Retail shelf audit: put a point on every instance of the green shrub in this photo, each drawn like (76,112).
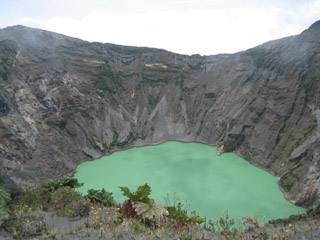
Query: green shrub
(100,196)
(63,182)
(225,224)
(80,208)
(58,196)
(195,219)
(67,202)
(37,197)
(177,213)
(137,227)
(314,212)
(180,215)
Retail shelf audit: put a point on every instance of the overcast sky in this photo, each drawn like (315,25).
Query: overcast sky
(184,26)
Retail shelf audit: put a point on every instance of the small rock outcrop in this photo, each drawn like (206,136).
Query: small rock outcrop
(220,150)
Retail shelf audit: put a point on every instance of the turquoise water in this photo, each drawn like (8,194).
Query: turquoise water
(212,184)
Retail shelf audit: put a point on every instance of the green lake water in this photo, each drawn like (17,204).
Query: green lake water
(212,184)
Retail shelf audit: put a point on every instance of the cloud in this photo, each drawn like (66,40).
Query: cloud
(210,28)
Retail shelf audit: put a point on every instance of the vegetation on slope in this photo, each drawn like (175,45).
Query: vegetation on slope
(55,210)
(4,202)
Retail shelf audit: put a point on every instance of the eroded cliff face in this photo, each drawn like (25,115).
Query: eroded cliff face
(64,101)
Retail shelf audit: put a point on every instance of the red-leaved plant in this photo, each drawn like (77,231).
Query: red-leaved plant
(127,209)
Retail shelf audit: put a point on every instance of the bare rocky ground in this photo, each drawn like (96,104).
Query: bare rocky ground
(64,228)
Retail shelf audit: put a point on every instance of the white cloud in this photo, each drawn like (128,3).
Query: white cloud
(209,28)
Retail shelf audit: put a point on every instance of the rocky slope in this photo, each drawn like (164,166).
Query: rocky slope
(64,101)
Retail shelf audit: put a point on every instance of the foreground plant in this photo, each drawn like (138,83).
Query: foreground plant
(144,216)
(143,206)
(63,182)
(100,196)
(128,210)
(67,202)
(253,222)
(179,213)
(225,224)
(141,195)
(57,196)
(150,210)
(40,196)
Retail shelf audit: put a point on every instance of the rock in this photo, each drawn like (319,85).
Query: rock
(91,153)
(220,150)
